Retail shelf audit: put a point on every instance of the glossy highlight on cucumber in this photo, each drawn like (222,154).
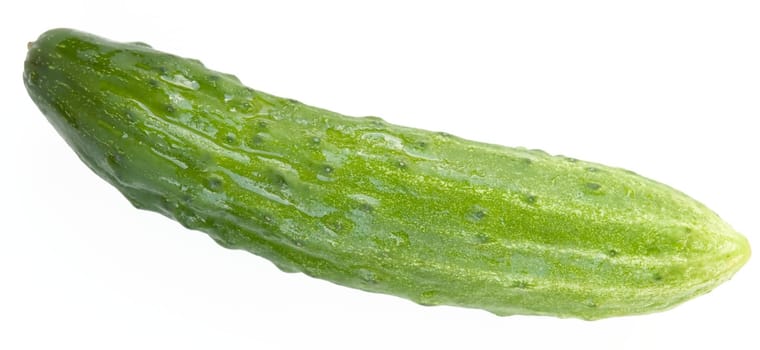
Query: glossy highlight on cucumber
(363,203)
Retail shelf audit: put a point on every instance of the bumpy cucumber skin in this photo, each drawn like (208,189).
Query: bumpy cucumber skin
(366,204)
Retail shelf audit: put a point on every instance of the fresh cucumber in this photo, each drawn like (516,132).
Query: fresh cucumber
(366,204)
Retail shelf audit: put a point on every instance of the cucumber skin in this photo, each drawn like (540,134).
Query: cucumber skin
(370,205)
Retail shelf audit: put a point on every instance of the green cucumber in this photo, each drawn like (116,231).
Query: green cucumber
(363,203)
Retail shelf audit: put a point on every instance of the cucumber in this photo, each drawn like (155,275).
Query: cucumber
(366,204)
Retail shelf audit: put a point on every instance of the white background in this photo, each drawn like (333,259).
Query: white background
(669,89)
